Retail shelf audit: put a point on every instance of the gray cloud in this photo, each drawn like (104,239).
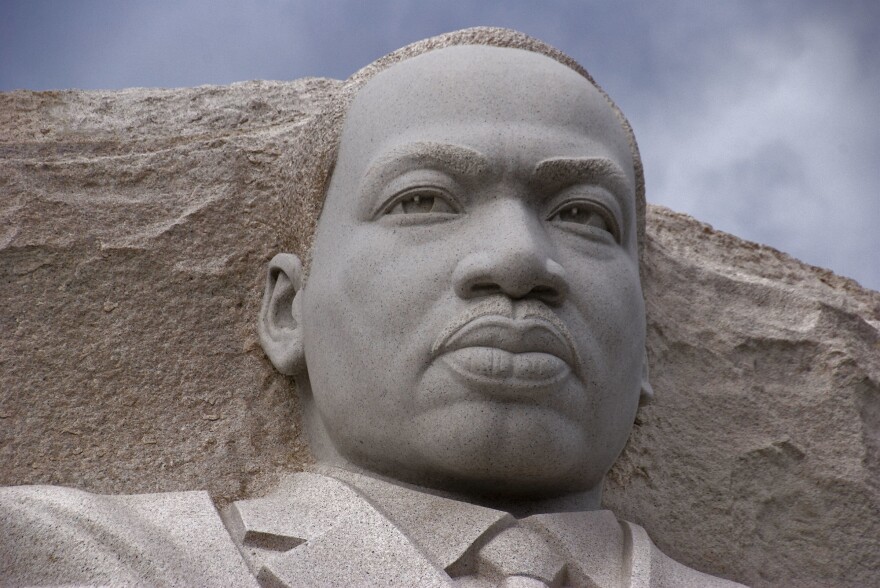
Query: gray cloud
(757,117)
(775,137)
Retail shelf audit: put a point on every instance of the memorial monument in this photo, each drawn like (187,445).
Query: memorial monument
(467,338)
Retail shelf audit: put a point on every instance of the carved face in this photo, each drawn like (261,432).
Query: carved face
(474,318)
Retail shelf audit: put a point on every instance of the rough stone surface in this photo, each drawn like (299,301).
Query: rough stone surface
(133,229)
(760,456)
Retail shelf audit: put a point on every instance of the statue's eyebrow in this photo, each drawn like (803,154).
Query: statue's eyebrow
(462,161)
(565,171)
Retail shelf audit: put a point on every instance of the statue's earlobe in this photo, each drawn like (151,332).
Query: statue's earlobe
(279,324)
(647,392)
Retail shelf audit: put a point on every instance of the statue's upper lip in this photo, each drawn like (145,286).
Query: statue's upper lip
(515,336)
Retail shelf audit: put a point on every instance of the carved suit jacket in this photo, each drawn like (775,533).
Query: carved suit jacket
(326,527)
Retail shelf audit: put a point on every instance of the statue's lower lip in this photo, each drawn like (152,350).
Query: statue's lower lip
(497,371)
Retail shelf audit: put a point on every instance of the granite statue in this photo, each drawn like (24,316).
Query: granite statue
(468,342)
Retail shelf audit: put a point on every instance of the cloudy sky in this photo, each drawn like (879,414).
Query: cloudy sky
(758,117)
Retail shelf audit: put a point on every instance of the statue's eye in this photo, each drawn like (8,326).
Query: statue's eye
(585,214)
(422,201)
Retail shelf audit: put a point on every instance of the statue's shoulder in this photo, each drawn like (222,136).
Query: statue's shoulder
(651,568)
(51,535)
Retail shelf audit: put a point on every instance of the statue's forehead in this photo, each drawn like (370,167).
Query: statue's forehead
(471,86)
(449,62)
(470,79)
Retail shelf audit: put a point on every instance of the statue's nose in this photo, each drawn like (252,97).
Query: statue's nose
(514,256)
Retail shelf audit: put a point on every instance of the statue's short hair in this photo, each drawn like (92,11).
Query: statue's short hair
(317,152)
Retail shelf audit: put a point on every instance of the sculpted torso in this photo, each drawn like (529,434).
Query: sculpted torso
(469,351)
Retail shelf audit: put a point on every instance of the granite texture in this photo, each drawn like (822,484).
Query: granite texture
(53,536)
(133,230)
(767,381)
(134,226)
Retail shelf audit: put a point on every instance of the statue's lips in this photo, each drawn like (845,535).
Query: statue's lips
(508,354)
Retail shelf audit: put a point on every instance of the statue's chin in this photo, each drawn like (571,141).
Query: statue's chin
(511,451)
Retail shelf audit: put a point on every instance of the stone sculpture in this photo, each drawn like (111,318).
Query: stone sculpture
(469,347)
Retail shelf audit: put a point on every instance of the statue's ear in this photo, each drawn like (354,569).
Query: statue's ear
(647,392)
(279,325)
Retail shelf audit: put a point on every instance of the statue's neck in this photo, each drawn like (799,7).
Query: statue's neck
(519,508)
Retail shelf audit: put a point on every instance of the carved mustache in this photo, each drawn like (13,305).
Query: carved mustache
(518,327)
